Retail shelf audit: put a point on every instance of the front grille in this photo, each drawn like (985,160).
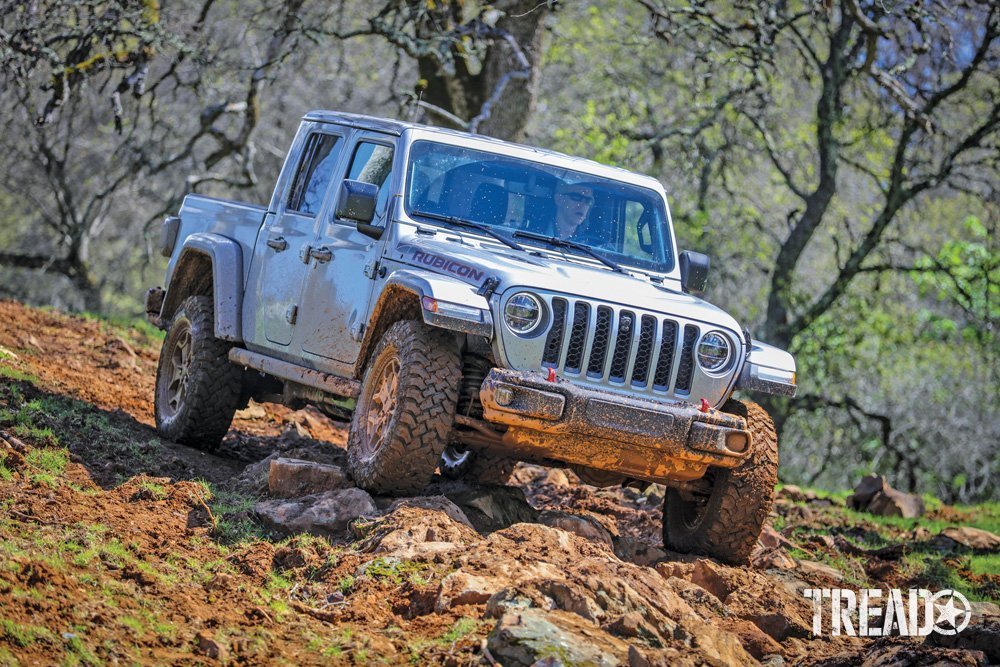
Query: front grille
(619,347)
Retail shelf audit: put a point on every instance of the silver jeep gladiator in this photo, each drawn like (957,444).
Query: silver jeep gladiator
(466,303)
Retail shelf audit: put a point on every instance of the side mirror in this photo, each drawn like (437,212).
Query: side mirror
(694,272)
(356,201)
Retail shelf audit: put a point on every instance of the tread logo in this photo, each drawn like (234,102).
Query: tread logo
(868,613)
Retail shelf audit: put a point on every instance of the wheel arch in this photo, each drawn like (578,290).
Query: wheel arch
(405,297)
(397,302)
(209,265)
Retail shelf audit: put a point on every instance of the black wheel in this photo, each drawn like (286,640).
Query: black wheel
(197,388)
(461,463)
(406,409)
(725,519)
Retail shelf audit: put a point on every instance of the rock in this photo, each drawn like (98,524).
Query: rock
(522,638)
(773,559)
(770,538)
(984,610)
(586,527)
(293,478)
(792,492)
(414,532)
(813,569)
(754,640)
(252,411)
(494,507)
(874,495)
(972,538)
(434,503)
(557,478)
(780,611)
(460,588)
(896,503)
(254,478)
(866,489)
(320,514)
(211,648)
(982,636)
(637,552)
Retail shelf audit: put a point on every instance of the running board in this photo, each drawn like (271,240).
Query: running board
(333,384)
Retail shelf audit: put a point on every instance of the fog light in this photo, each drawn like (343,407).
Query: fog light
(503,395)
(737,442)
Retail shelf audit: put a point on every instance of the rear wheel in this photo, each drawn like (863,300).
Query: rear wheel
(406,409)
(723,517)
(197,388)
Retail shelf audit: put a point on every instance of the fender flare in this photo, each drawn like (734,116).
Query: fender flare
(403,297)
(768,369)
(226,259)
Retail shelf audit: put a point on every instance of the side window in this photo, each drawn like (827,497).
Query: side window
(372,163)
(312,179)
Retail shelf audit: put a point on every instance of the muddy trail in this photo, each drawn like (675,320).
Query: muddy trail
(117,547)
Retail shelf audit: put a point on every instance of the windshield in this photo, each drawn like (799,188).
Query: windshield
(625,223)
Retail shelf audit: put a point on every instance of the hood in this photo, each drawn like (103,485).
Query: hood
(471,261)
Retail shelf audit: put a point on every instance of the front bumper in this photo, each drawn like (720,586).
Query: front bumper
(639,438)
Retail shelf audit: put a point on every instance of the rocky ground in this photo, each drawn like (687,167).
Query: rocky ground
(119,547)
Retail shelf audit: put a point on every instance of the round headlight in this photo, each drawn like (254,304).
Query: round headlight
(714,351)
(523,313)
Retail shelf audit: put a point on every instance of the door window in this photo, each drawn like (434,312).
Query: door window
(372,163)
(312,179)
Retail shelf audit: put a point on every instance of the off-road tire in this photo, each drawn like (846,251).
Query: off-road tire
(481,468)
(726,524)
(197,388)
(396,451)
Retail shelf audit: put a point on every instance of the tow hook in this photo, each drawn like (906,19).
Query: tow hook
(705,407)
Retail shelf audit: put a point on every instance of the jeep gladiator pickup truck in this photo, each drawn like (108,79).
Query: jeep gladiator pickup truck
(465,303)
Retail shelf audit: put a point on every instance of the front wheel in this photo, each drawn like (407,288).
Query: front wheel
(476,466)
(406,409)
(197,388)
(725,519)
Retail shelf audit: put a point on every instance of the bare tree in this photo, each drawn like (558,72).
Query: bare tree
(918,80)
(479,68)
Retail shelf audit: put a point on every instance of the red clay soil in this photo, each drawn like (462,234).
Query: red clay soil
(109,565)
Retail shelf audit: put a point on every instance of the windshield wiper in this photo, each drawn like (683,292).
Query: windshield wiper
(563,243)
(479,227)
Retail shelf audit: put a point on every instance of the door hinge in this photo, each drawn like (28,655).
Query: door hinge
(374,269)
(292,314)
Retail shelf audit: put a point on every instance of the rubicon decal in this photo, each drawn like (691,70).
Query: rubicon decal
(446,264)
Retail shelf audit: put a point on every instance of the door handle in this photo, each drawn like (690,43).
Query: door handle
(321,254)
(278,243)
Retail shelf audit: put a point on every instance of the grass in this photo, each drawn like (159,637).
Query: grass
(135,330)
(47,465)
(49,420)
(959,569)
(396,571)
(233,516)
(461,629)
(24,635)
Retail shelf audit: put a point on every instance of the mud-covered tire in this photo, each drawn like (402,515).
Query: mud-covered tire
(479,467)
(406,409)
(726,523)
(197,388)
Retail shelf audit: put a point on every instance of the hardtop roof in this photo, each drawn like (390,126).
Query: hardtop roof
(397,127)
